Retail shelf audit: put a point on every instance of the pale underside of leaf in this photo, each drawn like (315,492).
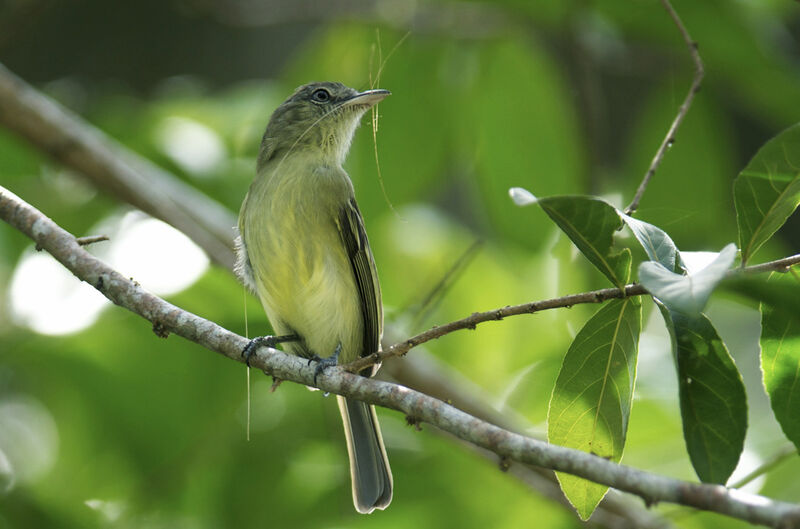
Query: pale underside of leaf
(686,293)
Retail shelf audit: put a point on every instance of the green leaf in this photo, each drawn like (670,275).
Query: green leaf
(781,294)
(686,293)
(767,191)
(655,241)
(591,224)
(712,397)
(780,359)
(591,401)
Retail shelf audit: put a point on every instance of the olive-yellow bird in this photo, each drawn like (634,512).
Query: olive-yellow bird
(303,251)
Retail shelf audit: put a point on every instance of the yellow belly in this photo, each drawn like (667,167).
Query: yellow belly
(315,296)
(301,271)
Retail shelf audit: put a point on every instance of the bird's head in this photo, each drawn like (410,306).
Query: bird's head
(318,118)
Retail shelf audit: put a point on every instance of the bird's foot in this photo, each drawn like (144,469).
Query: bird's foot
(325,363)
(269,341)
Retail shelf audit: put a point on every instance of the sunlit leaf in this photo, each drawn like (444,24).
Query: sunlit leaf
(712,397)
(591,401)
(686,293)
(655,241)
(767,191)
(591,224)
(780,358)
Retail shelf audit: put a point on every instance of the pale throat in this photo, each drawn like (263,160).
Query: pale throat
(335,142)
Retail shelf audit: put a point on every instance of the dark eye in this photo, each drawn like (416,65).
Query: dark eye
(321,95)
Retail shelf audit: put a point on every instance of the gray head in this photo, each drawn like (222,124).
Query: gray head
(318,118)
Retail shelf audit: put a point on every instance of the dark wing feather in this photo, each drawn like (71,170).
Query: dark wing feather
(351,228)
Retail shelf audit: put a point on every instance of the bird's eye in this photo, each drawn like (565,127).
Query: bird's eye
(321,95)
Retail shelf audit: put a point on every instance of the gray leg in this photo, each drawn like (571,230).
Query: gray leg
(269,341)
(325,363)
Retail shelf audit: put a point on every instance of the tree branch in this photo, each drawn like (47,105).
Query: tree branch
(115,169)
(595,296)
(508,445)
(780,265)
(669,139)
(426,373)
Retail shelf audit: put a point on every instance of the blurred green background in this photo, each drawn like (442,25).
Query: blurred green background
(104,425)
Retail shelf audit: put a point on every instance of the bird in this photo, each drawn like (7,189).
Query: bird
(303,250)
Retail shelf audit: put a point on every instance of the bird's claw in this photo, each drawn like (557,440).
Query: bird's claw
(268,341)
(325,363)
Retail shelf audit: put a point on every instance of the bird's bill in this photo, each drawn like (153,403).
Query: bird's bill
(367,98)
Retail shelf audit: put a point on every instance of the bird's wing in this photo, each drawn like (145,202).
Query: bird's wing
(351,228)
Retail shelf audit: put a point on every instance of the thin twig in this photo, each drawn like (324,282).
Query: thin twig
(91,239)
(471,321)
(509,446)
(84,241)
(595,296)
(669,139)
(780,265)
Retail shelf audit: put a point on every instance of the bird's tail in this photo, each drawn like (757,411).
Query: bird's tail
(369,466)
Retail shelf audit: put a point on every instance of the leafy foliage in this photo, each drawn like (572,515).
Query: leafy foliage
(151,433)
(767,191)
(712,395)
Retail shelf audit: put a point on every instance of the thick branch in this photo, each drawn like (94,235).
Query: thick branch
(669,139)
(113,168)
(508,445)
(428,374)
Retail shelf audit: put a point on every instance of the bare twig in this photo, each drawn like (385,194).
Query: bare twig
(113,168)
(669,139)
(85,241)
(471,321)
(780,265)
(595,296)
(507,445)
